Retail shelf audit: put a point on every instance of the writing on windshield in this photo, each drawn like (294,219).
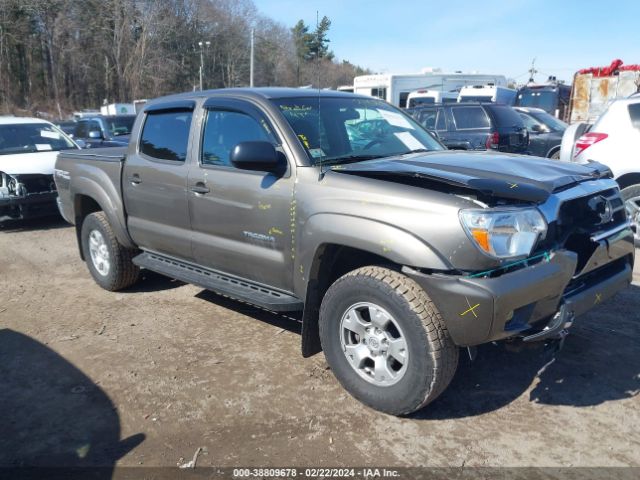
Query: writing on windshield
(31,138)
(332,129)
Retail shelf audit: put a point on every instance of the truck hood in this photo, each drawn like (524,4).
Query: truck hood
(22,163)
(516,177)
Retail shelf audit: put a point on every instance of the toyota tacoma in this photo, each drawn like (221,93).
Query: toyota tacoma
(396,251)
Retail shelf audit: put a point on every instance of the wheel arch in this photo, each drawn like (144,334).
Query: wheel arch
(554,149)
(343,248)
(89,197)
(628,179)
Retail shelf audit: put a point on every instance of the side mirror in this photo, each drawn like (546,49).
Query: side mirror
(95,134)
(537,128)
(258,156)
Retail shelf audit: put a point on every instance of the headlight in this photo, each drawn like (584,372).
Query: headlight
(504,233)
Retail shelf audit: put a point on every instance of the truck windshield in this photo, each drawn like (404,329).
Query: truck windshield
(337,130)
(544,99)
(31,138)
(120,125)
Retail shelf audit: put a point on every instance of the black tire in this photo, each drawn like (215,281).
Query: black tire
(633,191)
(555,155)
(121,272)
(432,355)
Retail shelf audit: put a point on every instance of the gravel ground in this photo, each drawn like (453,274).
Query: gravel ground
(148,376)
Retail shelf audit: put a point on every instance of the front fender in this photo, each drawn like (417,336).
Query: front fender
(108,197)
(392,243)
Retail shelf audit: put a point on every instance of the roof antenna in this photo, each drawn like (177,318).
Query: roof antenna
(532,70)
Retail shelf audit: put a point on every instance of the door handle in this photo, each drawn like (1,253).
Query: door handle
(200,188)
(135,179)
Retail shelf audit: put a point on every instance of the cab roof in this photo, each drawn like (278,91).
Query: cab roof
(259,92)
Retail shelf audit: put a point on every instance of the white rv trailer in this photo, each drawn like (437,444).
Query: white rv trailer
(396,88)
(487,93)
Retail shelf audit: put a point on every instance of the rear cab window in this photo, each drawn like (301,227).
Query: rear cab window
(467,118)
(165,135)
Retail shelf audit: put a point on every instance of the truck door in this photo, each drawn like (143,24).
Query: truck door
(154,181)
(240,219)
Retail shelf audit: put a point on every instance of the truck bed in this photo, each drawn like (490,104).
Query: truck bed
(89,168)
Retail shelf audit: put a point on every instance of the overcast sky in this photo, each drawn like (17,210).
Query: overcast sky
(488,36)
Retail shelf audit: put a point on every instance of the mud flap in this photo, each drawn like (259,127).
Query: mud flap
(310,327)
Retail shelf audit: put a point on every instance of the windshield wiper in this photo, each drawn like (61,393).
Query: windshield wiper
(417,150)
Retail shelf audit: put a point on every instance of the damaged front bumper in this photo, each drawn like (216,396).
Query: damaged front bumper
(28,196)
(535,302)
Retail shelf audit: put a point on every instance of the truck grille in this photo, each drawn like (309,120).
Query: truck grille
(581,218)
(36,183)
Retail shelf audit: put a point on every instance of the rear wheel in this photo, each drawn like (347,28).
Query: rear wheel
(555,155)
(110,263)
(385,340)
(631,197)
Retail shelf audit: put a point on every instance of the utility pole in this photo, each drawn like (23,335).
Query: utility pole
(532,70)
(251,59)
(201,45)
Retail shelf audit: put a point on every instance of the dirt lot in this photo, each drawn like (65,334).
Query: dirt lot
(146,376)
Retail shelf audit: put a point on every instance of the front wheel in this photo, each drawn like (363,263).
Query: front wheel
(110,263)
(631,197)
(385,341)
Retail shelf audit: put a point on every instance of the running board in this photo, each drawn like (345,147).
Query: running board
(219,282)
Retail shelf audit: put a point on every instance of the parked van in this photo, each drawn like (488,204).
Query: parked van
(430,97)
(395,88)
(487,93)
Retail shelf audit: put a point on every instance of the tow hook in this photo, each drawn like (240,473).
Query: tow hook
(556,329)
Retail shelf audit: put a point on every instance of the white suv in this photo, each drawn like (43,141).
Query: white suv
(613,140)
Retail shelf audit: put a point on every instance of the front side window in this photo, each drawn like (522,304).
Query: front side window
(82,129)
(120,125)
(224,129)
(470,117)
(32,137)
(94,126)
(530,122)
(337,130)
(428,119)
(550,121)
(165,135)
